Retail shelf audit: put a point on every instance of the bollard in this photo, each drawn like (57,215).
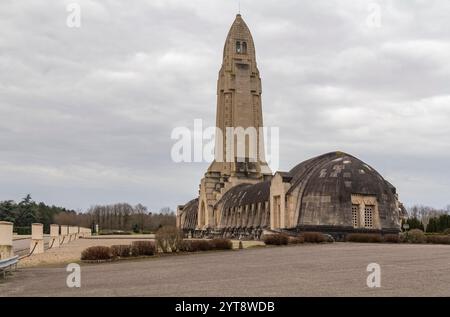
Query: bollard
(54,236)
(86,232)
(64,235)
(37,238)
(96,230)
(72,233)
(6,240)
(69,233)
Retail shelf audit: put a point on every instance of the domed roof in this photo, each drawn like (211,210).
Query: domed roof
(245,194)
(189,214)
(342,168)
(324,186)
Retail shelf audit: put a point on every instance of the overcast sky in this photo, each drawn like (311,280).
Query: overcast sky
(86,113)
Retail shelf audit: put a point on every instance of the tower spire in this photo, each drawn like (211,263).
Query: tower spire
(239,106)
(239,156)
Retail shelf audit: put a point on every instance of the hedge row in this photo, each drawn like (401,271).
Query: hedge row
(148,248)
(412,236)
(137,248)
(314,237)
(97,253)
(205,245)
(283,239)
(276,239)
(115,233)
(364,237)
(438,239)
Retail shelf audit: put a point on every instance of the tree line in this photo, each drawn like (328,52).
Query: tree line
(125,217)
(26,212)
(120,217)
(109,218)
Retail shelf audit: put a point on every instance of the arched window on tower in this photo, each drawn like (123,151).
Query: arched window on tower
(244,47)
(238,47)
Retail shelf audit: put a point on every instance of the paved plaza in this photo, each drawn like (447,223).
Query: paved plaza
(337,269)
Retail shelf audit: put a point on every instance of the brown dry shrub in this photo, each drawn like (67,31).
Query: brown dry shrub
(97,253)
(415,236)
(195,245)
(140,248)
(391,238)
(168,239)
(221,244)
(296,240)
(276,239)
(122,251)
(364,237)
(314,237)
(438,239)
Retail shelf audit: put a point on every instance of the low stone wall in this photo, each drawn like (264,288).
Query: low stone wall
(58,236)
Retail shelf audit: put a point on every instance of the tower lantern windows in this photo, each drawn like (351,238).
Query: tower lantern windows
(241,47)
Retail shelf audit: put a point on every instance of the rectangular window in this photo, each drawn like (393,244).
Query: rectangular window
(355,216)
(368,216)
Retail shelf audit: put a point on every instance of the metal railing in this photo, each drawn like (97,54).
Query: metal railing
(8,264)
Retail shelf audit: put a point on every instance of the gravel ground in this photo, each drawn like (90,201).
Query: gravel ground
(337,269)
(71,252)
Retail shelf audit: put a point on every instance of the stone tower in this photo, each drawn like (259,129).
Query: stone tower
(238,106)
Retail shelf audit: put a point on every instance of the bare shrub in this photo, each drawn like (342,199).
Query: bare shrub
(415,236)
(201,245)
(139,248)
(364,237)
(168,239)
(122,251)
(222,244)
(296,240)
(314,237)
(205,245)
(195,245)
(438,239)
(391,238)
(276,239)
(185,246)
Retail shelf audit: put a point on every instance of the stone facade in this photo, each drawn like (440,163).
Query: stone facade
(238,106)
(335,192)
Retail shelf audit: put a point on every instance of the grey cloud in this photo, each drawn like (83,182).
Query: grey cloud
(87,113)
